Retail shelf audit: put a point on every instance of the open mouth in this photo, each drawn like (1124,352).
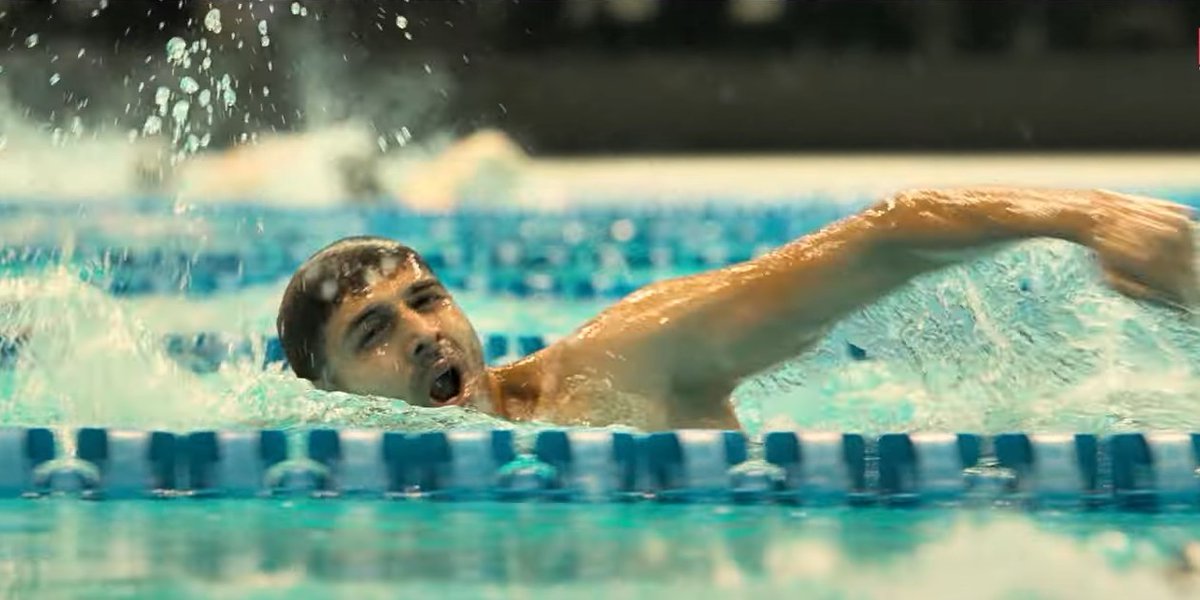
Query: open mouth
(446,386)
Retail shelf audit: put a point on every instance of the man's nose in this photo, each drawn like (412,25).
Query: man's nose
(423,346)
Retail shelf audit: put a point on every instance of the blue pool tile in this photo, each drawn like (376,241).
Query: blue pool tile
(530,344)
(496,348)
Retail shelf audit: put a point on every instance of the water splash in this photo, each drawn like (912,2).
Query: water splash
(153,125)
(176,51)
(1028,339)
(87,361)
(212,20)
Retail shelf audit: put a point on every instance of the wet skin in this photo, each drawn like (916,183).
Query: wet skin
(670,354)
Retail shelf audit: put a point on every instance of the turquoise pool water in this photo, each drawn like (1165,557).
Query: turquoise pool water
(1023,340)
(327,549)
(312,549)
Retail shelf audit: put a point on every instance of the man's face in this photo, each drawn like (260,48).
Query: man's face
(404,337)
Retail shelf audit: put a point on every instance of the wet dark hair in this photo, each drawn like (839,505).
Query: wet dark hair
(319,285)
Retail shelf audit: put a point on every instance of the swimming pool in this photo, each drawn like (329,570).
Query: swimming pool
(1024,341)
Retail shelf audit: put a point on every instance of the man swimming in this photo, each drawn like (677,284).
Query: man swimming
(367,316)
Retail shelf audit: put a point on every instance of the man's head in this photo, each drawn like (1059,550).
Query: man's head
(366,315)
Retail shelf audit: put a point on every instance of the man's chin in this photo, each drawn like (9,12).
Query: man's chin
(475,395)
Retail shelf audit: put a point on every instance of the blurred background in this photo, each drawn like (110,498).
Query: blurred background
(383,79)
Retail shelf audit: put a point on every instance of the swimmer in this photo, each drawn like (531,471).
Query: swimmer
(368,316)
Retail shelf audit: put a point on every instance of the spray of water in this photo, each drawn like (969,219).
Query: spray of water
(1027,339)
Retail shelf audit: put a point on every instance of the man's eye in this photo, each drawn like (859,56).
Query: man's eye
(372,335)
(425,301)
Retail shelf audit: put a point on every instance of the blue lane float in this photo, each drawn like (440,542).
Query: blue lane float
(588,464)
(1128,471)
(579,253)
(1060,470)
(230,463)
(582,253)
(207,352)
(686,465)
(1154,469)
(819,468)
(128,463)
(926,466)
(22,452)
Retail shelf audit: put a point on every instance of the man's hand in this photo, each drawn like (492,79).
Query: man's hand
(1145,247)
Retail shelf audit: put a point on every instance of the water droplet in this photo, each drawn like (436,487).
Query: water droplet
(266,92)
(204,141)
(401,22)
(31,41)
(408,36)
(153,125)
(212,20)
(295,8)
(176,50)
(428,69)
(266,41)
(189,85)
(262,27)
(229,97)
(54,79)
(304,12)
(180,111)
(206,63)
(162,95)
(192,144)
(205,97)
